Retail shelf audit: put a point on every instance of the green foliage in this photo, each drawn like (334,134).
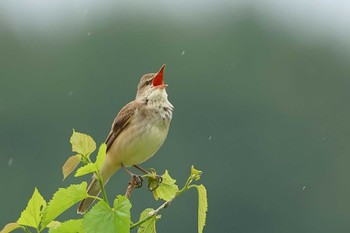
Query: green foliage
(82,143)
(202,206)
(88,168)
(70,226)
(148,226)
(102,217)
(62,200)
(31,216)
(167,189)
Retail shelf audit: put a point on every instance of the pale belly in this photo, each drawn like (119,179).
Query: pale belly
(129,149)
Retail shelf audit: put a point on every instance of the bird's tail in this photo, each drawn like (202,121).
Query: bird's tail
(94,189)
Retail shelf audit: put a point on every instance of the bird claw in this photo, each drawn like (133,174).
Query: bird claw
(137,181)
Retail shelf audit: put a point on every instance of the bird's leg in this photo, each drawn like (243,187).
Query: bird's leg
(136,179)
(158,177)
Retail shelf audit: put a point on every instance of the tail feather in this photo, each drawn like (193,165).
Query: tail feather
(94,189)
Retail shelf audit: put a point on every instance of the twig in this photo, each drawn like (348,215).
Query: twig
(153,213)
(130,187)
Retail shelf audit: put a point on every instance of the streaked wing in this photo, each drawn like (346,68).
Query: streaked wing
(121,121)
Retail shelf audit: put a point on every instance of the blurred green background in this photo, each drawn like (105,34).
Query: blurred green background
(261,96)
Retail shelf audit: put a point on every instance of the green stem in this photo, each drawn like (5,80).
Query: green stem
(96,197)
(99,178)
(153,213)
(25,229)
(165,204)
(141,221)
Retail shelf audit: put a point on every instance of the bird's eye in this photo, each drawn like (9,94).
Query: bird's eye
(148,82)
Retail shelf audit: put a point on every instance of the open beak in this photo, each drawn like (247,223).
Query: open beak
(158,79)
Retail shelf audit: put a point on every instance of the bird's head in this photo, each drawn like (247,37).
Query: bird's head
(152,86)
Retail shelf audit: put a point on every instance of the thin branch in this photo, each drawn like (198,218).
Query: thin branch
(100,181)
(153,213)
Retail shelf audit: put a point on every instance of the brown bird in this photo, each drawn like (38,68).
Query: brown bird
(138,131)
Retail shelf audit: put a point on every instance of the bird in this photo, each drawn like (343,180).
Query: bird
(138,131)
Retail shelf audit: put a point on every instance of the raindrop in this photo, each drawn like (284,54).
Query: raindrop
(183,53)
(10,162)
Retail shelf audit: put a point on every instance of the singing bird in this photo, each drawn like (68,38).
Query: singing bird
(138,131)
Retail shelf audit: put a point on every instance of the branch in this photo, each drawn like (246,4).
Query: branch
(130,187)
(153,213)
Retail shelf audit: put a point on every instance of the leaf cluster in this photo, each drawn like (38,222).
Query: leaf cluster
(102,217)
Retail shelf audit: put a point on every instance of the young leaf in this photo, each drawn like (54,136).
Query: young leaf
(69,166)
(195,174)
(103,218)
(88,168)
(150,225)
(167,189)
(63,199)
(101,156)
(10,227)
(82,143)
(31,216)
(202,206)
(70,226)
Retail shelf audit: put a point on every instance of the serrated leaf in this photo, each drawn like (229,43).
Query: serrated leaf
(53,224)
(167,189)
(202,207)
(69,166)
(70,226)
(150,225)
(122,206)
(10,227)
(103,218)
(82,143)
(101,155)
(88,168)
(31,216)
(195,174)
(63,199)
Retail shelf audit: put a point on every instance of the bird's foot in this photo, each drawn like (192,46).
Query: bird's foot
(136,181)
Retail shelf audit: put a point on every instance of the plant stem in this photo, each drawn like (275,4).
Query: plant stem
(165,204)
(99,178)
(25,229)
(96,197)
(153,213)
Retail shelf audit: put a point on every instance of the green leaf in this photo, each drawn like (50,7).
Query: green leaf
(63,199)
(202,207)
(150,225)
(31,216)
(10,227)
(70,226)
(69,166)
(101,156)
(122,207)
(82,143)
(88,168)
(195,174)
(167,189)
(103,218)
